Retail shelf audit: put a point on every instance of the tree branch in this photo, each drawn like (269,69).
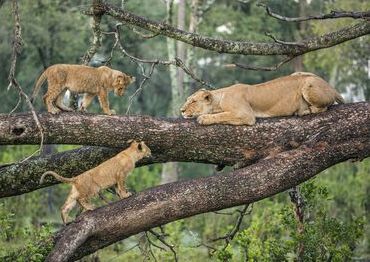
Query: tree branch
(166,203)
(170,140)
(333,15)
(239,47)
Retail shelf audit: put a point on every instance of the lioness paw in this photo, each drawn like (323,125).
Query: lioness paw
(204,120)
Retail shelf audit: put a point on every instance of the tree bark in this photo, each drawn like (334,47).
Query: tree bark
(240,47)
(163,204)
(171,140)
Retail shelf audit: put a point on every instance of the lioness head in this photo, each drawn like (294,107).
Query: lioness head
(141,148)
(121,81)
(197,104)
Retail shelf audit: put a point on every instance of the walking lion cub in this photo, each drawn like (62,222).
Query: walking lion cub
(81,79)
(111,172)
(300,93)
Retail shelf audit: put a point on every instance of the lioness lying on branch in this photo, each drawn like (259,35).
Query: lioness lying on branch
(81,79)
(300,93)
(111,172)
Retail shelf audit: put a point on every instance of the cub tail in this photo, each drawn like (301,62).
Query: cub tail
(56,176)
(39,82)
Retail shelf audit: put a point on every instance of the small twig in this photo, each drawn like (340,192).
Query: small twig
(153,62)
(299,204)
(230,235)
(160,237)
(283,42)
(17,47)
(332,15)
(262,68)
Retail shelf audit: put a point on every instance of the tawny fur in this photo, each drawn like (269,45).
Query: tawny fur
(81,79)
(111,172)
(298,94)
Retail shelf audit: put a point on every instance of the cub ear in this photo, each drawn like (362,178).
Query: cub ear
(140,147)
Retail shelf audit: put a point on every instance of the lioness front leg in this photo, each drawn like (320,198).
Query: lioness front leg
(226,118)
(103,99)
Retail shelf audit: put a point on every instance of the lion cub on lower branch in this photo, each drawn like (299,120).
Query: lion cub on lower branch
(81,79)
(298,94)
(111,172)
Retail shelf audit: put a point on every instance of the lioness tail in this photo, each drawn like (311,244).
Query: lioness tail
(338,98)
(40,80)
(56,176)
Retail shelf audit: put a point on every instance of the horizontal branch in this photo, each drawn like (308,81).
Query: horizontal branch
(170,140)
(163,204)
(239,47)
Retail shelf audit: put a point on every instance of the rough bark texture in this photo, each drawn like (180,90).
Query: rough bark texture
(170,202)
(170,140)
(239,47)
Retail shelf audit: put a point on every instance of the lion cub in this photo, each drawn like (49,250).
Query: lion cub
(81,79)
(299,94)
(111,172)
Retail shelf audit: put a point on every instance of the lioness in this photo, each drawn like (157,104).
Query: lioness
(111,172)
(81,79)
(298,94)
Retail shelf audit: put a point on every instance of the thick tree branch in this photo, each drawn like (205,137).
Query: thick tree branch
(170,140)
(240,47)
(163,204)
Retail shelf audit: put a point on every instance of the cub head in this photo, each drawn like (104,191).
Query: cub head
(141,148)
(120,82)
(197,104)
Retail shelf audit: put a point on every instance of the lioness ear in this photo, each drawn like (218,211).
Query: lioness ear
(207,96)
(140,147)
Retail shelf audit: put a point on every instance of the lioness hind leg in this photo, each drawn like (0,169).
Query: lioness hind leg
(318,94)
(314,109)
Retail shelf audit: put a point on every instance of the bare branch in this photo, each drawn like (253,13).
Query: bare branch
(239,47)
(333,15)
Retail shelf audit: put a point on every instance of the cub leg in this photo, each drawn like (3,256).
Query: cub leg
(60,104)
(86,101)
(49,99)
(121,189)
(69,204)
(103,99)
(85,204)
